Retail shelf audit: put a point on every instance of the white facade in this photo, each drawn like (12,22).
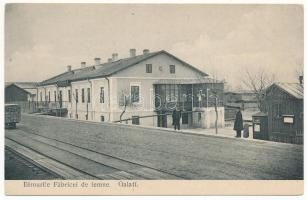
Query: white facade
(78,110)
(115,87)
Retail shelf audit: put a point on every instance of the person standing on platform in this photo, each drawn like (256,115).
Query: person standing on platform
(238,126)
(176,118)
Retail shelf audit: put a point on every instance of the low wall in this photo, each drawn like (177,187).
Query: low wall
(207,116)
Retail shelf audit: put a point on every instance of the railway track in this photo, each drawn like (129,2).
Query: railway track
(86,163)
(18,166)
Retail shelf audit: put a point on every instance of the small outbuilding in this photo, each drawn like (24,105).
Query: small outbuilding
(20,92)
(284,108)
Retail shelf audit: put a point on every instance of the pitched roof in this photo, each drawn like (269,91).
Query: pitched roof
(294,89)
(29,87)
(107,69)
(23,85)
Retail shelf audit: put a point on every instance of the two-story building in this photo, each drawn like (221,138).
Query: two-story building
(141,89)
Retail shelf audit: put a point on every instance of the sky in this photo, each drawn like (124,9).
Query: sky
(224,41)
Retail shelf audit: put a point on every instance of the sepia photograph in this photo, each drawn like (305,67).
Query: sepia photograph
(125,94)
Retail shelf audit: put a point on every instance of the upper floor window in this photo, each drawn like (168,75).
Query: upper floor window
(148,68)
(69,96)
(135,93)
(88,95)
(102,95)
(82,95)
(77,96)
(172,69)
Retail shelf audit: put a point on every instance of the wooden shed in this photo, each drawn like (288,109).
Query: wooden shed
(284,106)
(20,92)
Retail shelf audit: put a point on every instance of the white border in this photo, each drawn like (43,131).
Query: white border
(130,1)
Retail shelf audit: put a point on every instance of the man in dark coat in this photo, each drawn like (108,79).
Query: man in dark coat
(238,126)
(176,118)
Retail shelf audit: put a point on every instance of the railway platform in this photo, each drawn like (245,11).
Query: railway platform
(88,150)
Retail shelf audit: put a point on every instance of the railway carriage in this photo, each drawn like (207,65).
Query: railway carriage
(12,115)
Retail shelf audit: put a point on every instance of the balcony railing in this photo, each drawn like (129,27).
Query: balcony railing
(187,105)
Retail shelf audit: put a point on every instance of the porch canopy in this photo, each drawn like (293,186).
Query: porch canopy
(186,81)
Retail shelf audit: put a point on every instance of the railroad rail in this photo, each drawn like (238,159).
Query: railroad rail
(92,164)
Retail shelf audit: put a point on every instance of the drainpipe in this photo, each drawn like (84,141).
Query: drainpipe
(109,101)
(57,99)
(76,103)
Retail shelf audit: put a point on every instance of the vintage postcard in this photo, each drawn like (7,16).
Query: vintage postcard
(154,99)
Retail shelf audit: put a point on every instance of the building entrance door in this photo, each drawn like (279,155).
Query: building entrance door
(60,99)
(162,119)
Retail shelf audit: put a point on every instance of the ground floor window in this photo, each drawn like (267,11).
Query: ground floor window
(102,118)
(185,118)
(76,116)
(69,96)
(86,117)
(135,93)
(136,120)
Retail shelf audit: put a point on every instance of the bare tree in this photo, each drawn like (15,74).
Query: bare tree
(124,101)
(257,83)
(299,73)
(299,70)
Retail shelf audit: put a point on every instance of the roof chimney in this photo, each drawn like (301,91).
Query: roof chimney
(83,64)
(146,51)
(114,57)
(109,60)
(301,78)
(97,61)
(132,52)
(69,68)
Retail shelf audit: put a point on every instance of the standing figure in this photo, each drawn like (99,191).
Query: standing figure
(176,118)
(238,126)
